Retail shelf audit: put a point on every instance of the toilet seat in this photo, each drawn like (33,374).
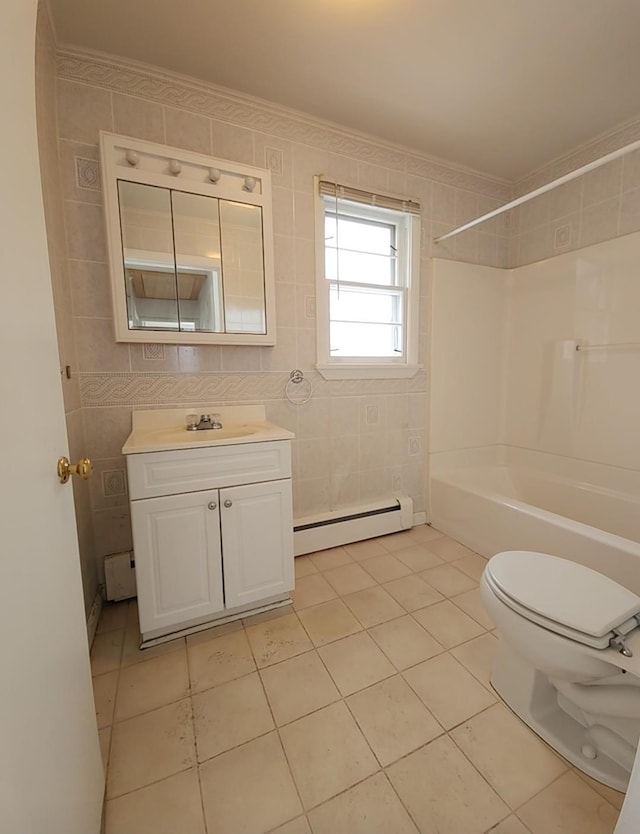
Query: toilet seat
(552,592)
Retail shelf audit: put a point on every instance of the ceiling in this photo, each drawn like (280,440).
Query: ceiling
(500,86)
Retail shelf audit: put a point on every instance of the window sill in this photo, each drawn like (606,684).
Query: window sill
(363,371)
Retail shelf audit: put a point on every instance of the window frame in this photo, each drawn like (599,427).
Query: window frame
(408,282)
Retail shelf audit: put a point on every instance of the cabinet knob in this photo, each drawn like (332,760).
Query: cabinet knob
(212,505)
(228,502)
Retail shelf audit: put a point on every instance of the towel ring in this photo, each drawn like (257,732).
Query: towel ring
(298,390)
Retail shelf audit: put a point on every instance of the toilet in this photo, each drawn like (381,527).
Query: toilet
(568,660)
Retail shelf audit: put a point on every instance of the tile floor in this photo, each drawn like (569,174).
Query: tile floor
(365,709)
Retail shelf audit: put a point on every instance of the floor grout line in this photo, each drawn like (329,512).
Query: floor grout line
(150,784)
(195,740)
(246,625)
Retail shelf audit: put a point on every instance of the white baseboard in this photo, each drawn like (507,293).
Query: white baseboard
(352,524)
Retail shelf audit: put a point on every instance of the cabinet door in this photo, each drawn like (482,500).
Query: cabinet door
(257,541)
(178,561)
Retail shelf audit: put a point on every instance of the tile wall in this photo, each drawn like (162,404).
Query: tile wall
(598,206)
(54,218)
(355,440)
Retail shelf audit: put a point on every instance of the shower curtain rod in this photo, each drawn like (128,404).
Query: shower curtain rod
(590,166)
(607,346)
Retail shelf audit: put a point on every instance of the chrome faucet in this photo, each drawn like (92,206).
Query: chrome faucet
(207,421)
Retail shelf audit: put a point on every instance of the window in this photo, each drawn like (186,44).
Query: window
(367,298)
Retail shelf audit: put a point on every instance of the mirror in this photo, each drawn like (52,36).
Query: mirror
(196,229)
(174,246)
(244,271)
(191,261)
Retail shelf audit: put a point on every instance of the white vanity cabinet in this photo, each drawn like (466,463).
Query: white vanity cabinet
(257,528)
(178,559)
(212,533)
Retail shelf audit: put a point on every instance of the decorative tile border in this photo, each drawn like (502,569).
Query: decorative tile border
(439,171)
(375,153)
(602,145)
(256,114)
(187,94)
(206,99)
(163,389)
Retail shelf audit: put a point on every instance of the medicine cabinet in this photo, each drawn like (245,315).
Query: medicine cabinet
(190,241)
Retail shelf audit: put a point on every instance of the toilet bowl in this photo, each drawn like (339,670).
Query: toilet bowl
(568,661)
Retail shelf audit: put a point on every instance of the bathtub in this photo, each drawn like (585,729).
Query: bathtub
(501,498)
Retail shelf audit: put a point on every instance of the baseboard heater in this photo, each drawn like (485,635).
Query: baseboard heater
(351,524)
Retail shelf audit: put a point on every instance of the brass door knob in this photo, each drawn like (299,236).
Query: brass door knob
(83,469)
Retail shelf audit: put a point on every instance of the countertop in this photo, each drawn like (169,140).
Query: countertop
(162,430)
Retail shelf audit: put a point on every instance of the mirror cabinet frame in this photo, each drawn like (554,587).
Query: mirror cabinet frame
(147,163)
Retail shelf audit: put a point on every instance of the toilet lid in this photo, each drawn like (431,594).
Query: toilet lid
(563,592)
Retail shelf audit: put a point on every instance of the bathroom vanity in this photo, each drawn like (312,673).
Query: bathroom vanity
(212,518)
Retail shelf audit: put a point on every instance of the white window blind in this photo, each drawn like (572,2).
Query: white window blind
(368,198)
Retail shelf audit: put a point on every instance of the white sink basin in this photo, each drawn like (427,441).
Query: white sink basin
(204,435)
(164,430)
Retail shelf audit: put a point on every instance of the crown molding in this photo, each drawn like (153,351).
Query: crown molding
(601,145)
(174,90)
